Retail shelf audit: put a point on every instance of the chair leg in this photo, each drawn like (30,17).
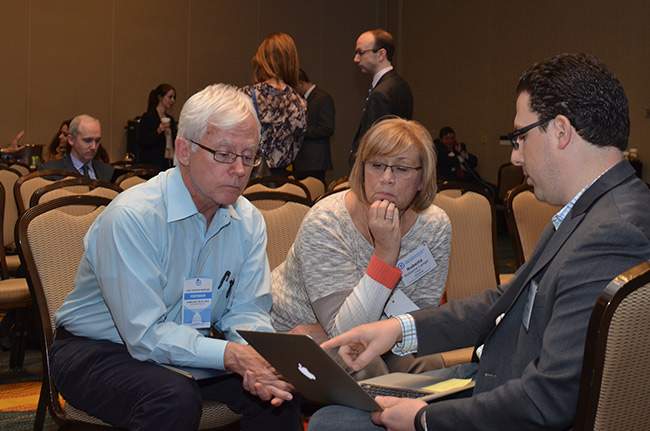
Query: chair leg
(17,357)
(42,407)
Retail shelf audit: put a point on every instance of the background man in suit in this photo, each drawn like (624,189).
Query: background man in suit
(85,134)
(389,94)
(314,157)
(572,126)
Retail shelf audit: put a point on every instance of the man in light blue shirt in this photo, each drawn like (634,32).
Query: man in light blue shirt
(165,263)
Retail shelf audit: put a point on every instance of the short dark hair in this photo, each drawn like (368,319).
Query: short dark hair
(445,131)
(583,89)
(302,76)
(384,39)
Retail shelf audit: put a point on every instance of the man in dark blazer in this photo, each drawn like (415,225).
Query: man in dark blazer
(572,125)
(84,137)
(314,157)
(389,94)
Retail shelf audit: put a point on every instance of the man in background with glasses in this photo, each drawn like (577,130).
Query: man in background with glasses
(389,93)
(572,126)
(164,264)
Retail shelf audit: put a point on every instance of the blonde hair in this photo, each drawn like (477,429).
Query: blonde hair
(391,137)
(276,57)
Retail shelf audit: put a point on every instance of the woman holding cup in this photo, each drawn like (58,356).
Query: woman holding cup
(157,129)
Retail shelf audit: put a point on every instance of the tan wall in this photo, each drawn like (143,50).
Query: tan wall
(462,58)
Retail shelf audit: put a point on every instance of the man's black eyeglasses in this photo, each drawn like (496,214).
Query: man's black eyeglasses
(251,160)
(514,136)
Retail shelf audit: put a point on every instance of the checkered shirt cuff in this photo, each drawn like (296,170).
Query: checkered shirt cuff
(409,343)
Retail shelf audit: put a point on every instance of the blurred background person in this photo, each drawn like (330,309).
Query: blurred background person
(378,249)
(15,146)
(157,129)
(281,110)
(59,144)
(315,157)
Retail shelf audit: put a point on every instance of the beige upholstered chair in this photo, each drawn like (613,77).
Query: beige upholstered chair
(526,217)
(51,243)
(339,184)
(14,294)
(276,184)
(316,187)
(27,184)
(282,222)
(23,168)
(472,263)
(129,180)
(72,187)
(509,177)
(614,392)
(8,177)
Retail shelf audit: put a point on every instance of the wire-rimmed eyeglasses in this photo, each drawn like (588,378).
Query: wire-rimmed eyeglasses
(220,156)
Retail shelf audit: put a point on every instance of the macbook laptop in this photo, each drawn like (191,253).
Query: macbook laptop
(319,378)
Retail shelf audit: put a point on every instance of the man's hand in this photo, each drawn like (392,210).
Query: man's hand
(314,330)
(15,144)
(362,344)
(259,378)
(398,413)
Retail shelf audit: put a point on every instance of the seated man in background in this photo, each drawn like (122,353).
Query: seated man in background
(84,136)
(572,125)
(186,231)
(455,163)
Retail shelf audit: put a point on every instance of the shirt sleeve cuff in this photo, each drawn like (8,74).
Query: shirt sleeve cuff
(210,353)
(383,273)
(409,343)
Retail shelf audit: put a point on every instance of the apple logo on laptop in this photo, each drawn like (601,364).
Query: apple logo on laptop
(305,371)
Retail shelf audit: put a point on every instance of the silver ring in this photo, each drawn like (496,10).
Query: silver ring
(389,218)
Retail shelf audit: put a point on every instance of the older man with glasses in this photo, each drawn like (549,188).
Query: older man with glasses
(572,126)
(165,264)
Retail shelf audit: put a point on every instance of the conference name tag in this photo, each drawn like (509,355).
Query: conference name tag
(416,264)
(197,301)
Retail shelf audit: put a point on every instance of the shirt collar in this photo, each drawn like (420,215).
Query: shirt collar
(378,75)
(308,92)
(78,164)
(559,217)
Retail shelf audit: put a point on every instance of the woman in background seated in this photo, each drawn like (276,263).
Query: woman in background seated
(378,249)
(157,129)
(59,144)
(281,110)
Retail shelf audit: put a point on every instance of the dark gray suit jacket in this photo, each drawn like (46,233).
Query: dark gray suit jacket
(314,154)
(103,171)
(529,379)
(391,96)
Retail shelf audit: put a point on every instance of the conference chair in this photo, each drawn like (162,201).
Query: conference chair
(136,176)
(21,167)
(72,187)
(526,217)
(279,185)
(614,392)
(339,184)
(51,244)
(316,187)
(11,263)
(473,263)
(14,295)
(27,184)
(282,222)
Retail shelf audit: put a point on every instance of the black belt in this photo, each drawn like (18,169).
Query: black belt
(62,334)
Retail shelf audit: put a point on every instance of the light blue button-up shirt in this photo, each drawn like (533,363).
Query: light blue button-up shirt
(138,253)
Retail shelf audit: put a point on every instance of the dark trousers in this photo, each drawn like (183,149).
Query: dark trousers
(101,378)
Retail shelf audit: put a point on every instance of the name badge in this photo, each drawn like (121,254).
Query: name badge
(416,264)
(197,301)
(528,308)
(398,304)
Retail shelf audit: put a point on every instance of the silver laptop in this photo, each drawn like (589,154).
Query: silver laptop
(319,378)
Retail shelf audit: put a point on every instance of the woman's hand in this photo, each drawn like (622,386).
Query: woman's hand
(385,228)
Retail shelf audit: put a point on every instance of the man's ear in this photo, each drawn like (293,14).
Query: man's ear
(183,150)
(563,131)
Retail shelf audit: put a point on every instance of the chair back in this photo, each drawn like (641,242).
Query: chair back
(277,184)
(614,392)
(8,177)
(23,168)
(72,187)
(526,217)
(136,176)
(473,260)
(282,222)
(316,187)
(27,184)
(509,177)
(339,184)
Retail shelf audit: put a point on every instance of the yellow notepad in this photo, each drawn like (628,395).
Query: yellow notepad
(447,385)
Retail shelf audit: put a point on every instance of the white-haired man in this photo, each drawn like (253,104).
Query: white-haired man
(164,264)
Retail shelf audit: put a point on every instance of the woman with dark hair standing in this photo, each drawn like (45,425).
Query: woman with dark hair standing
(281,110)
(157,129)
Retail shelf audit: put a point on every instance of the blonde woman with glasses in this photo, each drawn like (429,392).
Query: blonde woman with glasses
(378,249)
